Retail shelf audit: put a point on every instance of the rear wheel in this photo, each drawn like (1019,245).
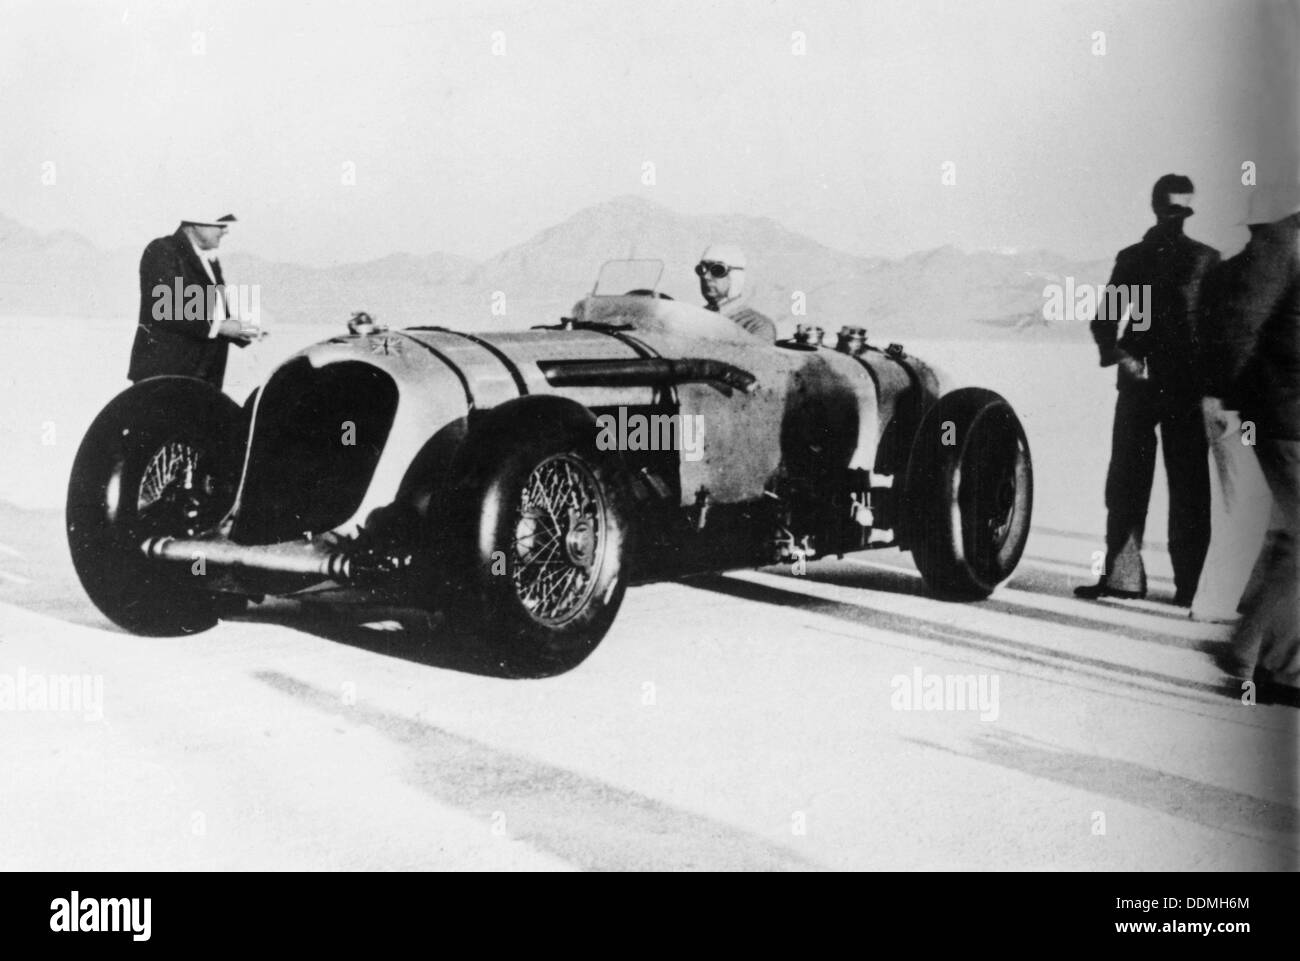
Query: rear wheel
(550,531)
(162,459)
(969,494)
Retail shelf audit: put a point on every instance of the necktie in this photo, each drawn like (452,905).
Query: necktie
(223,310)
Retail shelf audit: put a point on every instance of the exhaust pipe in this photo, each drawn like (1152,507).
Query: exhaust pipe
(303,558)
(646,372)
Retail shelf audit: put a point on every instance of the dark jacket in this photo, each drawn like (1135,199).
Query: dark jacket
(1174,266)
(166,340)
(1250,330)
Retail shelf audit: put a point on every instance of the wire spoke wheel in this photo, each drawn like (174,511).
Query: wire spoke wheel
(162,459)
(178,494)
(559,539)
(546,518)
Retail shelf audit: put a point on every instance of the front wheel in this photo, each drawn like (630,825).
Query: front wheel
(162,459)
(970,490)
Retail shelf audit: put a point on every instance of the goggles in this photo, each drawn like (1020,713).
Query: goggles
(714,269)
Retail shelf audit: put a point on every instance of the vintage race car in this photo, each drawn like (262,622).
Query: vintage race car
(520,481)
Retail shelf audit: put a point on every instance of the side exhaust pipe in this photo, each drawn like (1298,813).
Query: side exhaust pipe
(305,558)
(646,372)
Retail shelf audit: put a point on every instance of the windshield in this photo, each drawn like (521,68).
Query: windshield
(619,277)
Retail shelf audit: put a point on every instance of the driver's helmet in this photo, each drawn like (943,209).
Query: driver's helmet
(729,256)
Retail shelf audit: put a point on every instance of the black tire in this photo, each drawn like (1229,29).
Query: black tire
(970,492)
(544,583)
(163,458)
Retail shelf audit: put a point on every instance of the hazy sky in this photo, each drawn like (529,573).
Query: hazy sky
(473,125)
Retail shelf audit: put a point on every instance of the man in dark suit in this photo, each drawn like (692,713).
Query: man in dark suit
(1159,386)
(186,322)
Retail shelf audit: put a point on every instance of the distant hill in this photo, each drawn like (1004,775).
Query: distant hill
(564,259)
(944,292)
(62,274)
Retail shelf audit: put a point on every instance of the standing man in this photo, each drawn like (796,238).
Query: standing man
(186,323)
(1253,364)
(1159,386)
(722,282)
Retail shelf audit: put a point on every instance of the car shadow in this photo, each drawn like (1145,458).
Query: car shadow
(408,633)
(1039,584)
(1136,681)
(38,576)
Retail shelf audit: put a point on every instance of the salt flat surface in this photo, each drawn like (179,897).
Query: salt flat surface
(741,721)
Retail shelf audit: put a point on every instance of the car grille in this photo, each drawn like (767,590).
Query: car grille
(316,441)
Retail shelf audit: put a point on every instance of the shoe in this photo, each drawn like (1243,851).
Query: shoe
(1183,600)
(1090,592)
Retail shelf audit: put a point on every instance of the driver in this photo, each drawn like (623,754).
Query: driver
(722,282)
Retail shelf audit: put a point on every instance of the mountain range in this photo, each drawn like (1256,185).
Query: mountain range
(944,292)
